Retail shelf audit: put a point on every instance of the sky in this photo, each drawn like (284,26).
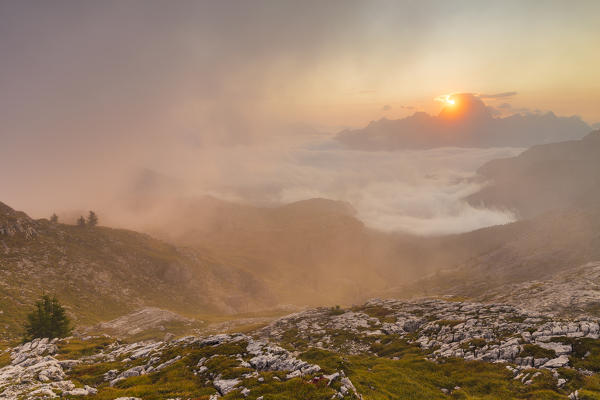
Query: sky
(91,92)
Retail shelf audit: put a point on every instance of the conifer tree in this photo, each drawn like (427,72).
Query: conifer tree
(92,219)
(47,320)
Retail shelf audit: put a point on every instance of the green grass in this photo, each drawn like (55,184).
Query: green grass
(449,322)
(475,343)
(376,376)
(178,380)
(77,348)
(393,346)
(413,377)
(296,388)
(337,310)
(532,350)
(4,359)
(379,312)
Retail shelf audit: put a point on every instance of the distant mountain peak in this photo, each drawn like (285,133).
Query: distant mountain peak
(466,121)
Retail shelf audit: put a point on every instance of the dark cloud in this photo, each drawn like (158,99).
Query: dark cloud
(466,123)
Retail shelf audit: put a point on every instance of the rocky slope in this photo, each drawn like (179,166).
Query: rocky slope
(572,293)
(554,243)
(421,349)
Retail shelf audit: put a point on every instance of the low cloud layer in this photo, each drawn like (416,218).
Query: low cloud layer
(419,192)
(466,121)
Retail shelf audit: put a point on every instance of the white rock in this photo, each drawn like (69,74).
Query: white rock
(225,386)
(557,362)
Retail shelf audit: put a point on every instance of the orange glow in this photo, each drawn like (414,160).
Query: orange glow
(454,106)
(447,99)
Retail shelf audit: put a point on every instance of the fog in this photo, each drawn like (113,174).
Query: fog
(242,101)
(294,152)
(419,192)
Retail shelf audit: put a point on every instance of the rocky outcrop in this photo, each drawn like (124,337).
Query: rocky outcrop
(16,223)
(444,329)
(35,373)
(149,318)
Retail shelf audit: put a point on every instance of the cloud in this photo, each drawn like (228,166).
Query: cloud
(497,95)
(418,192)
(465,121)
(387,107)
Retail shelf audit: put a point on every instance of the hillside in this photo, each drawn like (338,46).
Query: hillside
(101,273)
(543,178)
(329,257)
(553,244)
(317,247)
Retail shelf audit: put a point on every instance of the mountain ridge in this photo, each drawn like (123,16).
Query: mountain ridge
(543,178)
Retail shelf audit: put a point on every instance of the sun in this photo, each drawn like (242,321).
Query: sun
(447,100)
(453,106)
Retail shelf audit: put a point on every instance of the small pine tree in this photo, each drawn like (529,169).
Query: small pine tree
(47,320)
(92,219)
(81,221)
(54,218)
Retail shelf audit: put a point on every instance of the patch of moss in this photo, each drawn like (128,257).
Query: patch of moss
(586,354)
(337,310)
(535,351)
(413,377)
(449,322)
(393,346)
(382,313)
(77,348)
(4,359)
(475,343)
